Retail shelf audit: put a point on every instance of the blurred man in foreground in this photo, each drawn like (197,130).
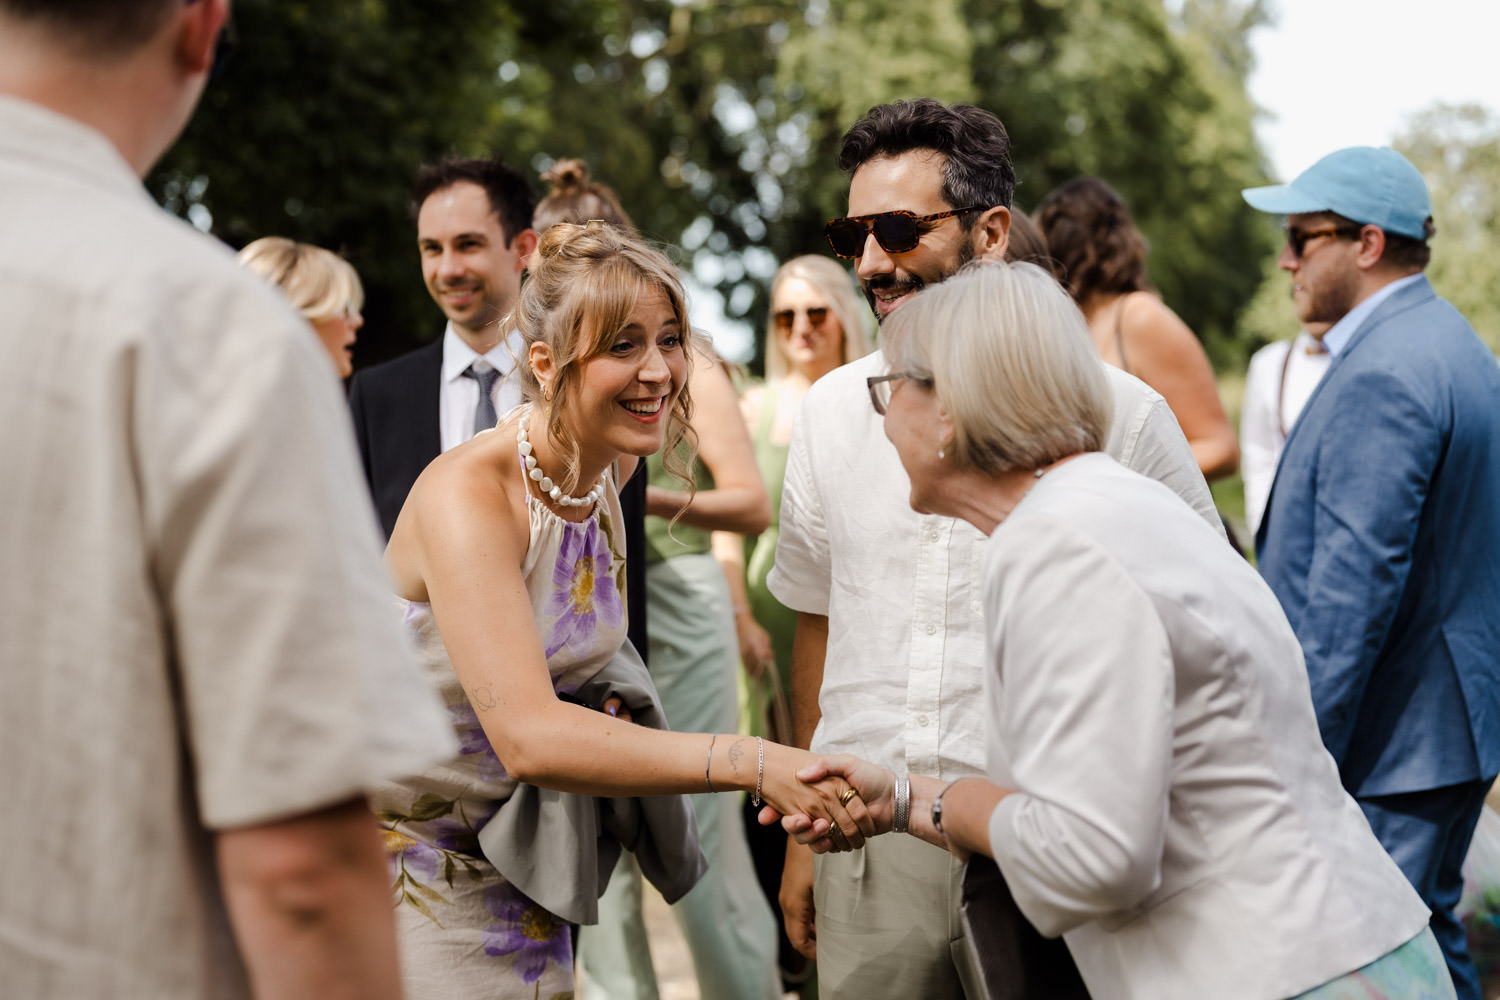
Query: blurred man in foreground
(199,674)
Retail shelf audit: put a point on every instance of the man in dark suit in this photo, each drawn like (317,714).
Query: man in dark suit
(1382,533)
(474,236)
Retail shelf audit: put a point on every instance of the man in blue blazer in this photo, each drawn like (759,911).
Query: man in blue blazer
(1382,533)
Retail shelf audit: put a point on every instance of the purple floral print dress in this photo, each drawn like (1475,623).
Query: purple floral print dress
(464,931)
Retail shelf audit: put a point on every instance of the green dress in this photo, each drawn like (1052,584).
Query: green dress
(760,555)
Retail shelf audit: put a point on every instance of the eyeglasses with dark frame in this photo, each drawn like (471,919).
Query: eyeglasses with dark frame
(880,387)
(786,318)
(1297,239)
(896,232)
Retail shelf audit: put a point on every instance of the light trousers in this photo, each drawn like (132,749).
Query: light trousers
(888,923)
(725,919)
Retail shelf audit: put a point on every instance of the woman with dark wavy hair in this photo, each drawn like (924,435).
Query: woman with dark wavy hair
(1102,258)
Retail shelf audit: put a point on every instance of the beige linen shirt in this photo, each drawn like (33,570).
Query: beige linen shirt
(197,633)
(903,677)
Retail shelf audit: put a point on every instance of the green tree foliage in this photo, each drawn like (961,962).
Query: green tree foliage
(718,123)
(318,123)
(1457,148)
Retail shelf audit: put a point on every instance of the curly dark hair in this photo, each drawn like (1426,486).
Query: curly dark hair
(973,142)
(511,197)
(1090,234)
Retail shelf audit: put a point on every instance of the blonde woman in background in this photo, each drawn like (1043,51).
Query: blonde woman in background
(320,284)
(816,324)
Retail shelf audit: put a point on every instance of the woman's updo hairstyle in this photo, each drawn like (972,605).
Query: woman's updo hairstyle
(581,291)
(1091,236)
(573,198)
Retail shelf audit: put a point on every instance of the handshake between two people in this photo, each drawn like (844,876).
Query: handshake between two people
(856,800)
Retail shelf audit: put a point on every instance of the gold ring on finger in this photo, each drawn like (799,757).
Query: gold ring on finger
(849,793)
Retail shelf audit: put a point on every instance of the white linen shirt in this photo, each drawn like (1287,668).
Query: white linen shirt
(198,632)
(1281,377)
(903,675)
(459,396)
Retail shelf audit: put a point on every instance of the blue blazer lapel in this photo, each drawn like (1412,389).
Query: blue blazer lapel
(1415,294)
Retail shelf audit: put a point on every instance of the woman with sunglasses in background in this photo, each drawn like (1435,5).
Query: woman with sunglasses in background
(1102,257)
(816,324)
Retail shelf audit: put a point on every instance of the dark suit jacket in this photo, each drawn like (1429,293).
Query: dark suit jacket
(1382,541)
(395,411)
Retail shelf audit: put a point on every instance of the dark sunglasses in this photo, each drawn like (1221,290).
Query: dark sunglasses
(784,318)
(880,387)
(1297,238)
(896,232)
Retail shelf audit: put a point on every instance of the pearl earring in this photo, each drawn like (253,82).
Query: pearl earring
(942,454)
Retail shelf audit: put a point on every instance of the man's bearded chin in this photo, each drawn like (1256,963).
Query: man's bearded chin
(912,283)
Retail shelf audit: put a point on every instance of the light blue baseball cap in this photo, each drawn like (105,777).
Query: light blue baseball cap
(1369,185)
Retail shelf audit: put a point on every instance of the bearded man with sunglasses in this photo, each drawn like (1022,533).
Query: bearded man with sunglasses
(886,662)
(1381,536)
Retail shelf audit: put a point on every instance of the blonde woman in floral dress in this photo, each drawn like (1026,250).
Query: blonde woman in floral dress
(508,561)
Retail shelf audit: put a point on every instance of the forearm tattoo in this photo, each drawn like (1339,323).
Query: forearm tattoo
(482,698)
(736,751)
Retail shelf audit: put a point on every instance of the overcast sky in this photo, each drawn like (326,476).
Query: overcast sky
(1335,73)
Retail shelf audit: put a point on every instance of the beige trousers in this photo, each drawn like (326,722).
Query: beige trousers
(888,923)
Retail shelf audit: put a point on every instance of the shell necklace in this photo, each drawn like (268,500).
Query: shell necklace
(553,491)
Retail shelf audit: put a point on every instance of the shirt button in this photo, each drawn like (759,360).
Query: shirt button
(932,535)
(921,720)
(931,629)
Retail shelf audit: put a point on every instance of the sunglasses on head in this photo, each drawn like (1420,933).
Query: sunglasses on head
(1297,238)
(784,318)
(896,232)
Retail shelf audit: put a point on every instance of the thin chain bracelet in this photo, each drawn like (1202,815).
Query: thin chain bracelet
(760,770)
(710,763)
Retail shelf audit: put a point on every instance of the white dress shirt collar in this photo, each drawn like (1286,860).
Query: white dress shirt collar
(458,356)
(458,396)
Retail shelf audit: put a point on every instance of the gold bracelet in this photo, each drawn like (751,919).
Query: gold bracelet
(710,763)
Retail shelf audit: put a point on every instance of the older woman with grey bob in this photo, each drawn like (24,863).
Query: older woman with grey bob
(1157,792)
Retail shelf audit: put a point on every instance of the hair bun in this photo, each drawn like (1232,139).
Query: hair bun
(578,239)
(567,176)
